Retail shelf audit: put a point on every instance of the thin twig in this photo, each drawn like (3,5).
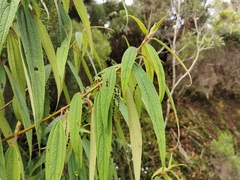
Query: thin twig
(50,116)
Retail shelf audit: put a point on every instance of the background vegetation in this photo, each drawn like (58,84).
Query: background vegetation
(91,56)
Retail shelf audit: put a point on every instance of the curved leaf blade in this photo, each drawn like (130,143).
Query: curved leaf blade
(55,154)
(2,79)
(135,133)
(3,174)
(22,108)
(108,84)
(152,56)
(66,35)
(12,163)
(32,57)
(103,138)
(50,52)
(7,14)
(140,24)
(177,58)
(15,61)
(153,107)
(75,116)
(128,59)
(82,11)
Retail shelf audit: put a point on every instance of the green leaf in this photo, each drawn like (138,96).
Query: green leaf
(156,25)
(36,7)
(32,57)
(103,137)
(177,58)
(12,163)
(50,52)
(140,24)
(3,174)
(38,164)
(73,168)
(174,110)
(82,12)
(7,14)
(128,59)
(108,84)
(75,116)
(75,74)
(25,3)
(2,79)
(55,153)
(66,35)
(153,107)
(77,54)
(92,151)
(66,4)
(135,133)
(152,56)
(22,108)
(15,61)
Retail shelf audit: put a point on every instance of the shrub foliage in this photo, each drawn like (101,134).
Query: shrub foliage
(74,141)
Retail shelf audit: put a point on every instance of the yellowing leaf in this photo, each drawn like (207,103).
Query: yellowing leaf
(153,107)
(135,133)
(128,59)
(55,153)
(7,14)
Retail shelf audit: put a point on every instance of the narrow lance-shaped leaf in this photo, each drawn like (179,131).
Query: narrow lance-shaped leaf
(62,51)
(140,24)
(128,59)
(32,57)
(22,107)
(152,56)
(15,61)
(177,58)
(174,110)
(156,25)
(93,153)
(153,107)
(108,84)
(75,74)
(4,125)
(55,153)
(82,11)
(75,116)
(2,79)
(50,52)
(25,3)
(135,133)
(7,14)
(12,163)
(2,162)
(103,138)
